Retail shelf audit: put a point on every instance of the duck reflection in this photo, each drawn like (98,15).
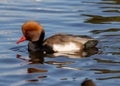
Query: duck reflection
(38,57)
(36,70)
(35,58)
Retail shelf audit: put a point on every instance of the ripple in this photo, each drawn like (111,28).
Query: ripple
(96,19)
(99,19)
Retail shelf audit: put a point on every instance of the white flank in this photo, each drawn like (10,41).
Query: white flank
(69,47)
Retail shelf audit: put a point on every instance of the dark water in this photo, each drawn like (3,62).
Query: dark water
(97,18)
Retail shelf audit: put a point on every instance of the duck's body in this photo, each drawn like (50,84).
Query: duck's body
(57,43)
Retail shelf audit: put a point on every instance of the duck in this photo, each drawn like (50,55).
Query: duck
(61,42)
(88,82)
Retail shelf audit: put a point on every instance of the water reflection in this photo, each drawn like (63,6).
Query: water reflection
(106,78)
(106,10)
(114,1)
(32,80)
(105,61)
(36,70)
(38,57)
(96,19)
(116,11)
(107,30)
(105,71)
(109,2)
(100,19)
(110,39)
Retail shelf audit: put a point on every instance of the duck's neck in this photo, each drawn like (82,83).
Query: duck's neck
(41,38)
(37,45)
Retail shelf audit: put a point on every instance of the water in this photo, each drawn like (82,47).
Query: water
(97,18)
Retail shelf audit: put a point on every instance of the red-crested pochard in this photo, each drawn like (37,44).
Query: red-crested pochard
(34,32)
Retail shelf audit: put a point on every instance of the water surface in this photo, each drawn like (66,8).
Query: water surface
(99,19)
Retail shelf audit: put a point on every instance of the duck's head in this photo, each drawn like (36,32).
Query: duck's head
(32,31)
